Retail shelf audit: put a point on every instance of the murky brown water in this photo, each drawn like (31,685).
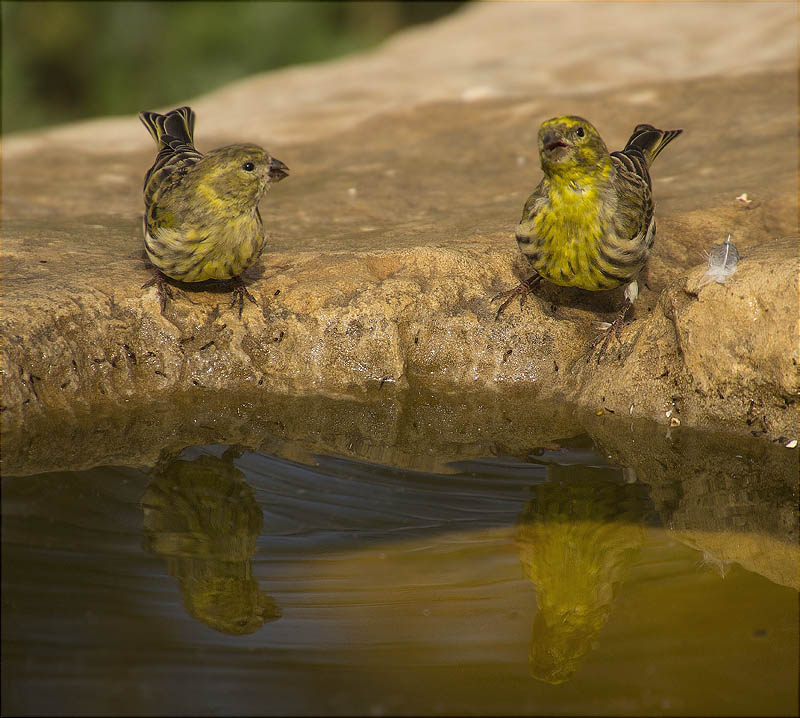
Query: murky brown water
(235,582)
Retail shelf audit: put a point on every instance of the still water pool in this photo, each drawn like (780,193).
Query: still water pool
(232,581)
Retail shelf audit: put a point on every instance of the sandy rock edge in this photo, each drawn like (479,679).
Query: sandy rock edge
(427,330)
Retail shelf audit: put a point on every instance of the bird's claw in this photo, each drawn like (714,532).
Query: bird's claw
(163,289)
(521,290)
(614,328)
(239,294)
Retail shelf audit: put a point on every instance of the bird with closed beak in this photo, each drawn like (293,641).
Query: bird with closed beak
(201,217)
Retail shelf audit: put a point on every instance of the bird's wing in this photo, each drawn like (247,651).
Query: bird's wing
(526,227)
(174,157)
(634,212)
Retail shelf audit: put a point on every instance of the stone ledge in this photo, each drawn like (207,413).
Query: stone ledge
(395,230)
(346,325)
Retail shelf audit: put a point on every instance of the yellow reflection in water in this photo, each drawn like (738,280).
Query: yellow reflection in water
(577,540)
(203,518)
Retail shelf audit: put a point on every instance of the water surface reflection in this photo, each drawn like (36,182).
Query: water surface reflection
(551,581)
(202,517)
(578,539)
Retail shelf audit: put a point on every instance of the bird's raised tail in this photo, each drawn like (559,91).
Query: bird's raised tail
(650,141)
(175,125)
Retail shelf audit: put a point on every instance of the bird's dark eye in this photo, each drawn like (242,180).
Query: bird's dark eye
(579,132)
(248,166)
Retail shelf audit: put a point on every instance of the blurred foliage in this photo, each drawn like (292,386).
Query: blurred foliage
(68,60)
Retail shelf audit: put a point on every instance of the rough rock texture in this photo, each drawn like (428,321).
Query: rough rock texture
(410,166)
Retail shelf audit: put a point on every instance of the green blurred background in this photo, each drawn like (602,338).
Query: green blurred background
(65,61)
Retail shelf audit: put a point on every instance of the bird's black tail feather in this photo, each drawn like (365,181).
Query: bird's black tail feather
(650,141)
(175,125)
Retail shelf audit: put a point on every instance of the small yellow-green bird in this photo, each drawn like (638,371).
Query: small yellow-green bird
(590,222)
(201,211)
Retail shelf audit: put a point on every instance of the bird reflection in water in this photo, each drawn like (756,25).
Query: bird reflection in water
(202,517)
(577,540)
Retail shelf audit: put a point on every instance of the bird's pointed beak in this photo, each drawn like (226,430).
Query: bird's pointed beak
(277,170)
